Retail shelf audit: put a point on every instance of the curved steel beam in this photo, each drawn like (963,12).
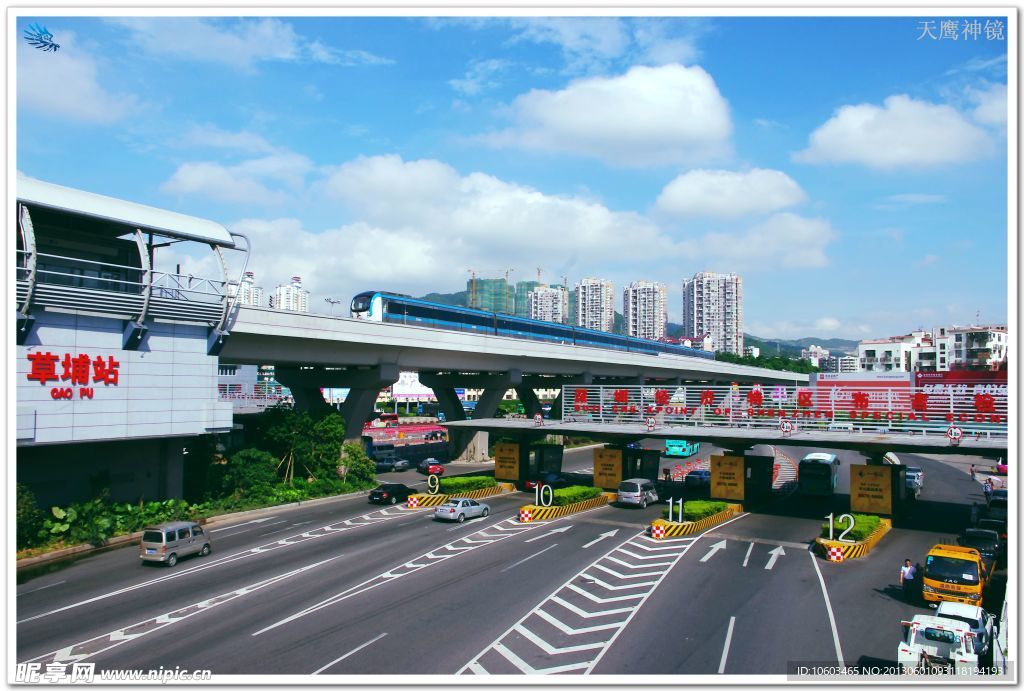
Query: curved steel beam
(147,290)
(28,242)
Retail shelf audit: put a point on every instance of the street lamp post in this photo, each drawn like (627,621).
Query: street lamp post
(333,302)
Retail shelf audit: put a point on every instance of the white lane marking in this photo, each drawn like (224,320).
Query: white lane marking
(749,550)
(711,552)
(351,652)
(550,532)
(776,553)
(725,650)
(239,525)
(273,532)
(828,607)
(340,526)
(610,533)
(508,528)
(302,523)
(42,588)
(512,566)
(77,652)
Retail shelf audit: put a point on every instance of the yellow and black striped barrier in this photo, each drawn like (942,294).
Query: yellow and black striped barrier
(417,501)
(531,512)
(661,529)
(836,551)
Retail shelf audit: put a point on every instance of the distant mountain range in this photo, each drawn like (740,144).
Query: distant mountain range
(768,346)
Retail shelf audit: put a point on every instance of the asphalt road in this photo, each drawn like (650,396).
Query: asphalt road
(346,588)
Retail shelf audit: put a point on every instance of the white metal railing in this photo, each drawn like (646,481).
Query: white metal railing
(977,410)
(76,272)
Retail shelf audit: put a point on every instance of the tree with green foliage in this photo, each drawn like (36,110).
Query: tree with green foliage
(29,517)
(249,469)
(325,451)
(775,362)
(356,467)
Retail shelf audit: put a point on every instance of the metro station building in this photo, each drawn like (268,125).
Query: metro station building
(116,355)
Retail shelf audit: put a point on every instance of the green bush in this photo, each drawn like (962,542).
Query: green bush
(29,518)
(571,495)
(697,509)
(248,470)
(455,485)
(863,525)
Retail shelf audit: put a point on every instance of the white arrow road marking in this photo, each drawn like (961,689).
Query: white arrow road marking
(776,553)
(610,533)
(711,552)
(94,646)
(747,558)
(550,532)
(528,558)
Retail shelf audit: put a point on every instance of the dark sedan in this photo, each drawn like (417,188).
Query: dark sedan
(391,493)
(985,541)
(698,478)
(402,464)
(385,465)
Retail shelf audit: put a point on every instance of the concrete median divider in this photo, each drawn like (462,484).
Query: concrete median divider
(531,512)
(661,529)
(418,501)
(837,551)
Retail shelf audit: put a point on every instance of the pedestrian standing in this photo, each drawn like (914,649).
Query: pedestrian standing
(972,472)
(907,579)
(988,490)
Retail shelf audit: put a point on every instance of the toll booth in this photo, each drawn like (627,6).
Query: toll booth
(517,462)
(741,479)
(641,463)
(878,489)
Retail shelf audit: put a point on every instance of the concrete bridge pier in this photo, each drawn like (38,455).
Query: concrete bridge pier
(364,385)
(464,445)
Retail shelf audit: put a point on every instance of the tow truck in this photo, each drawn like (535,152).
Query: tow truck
(935,645)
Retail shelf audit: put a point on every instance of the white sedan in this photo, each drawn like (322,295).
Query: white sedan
(460,509)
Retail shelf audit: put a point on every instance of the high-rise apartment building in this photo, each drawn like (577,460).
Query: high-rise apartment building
(291,296)
(548,304)
(645,309)
(491,294)
(815,354)
(595,304)
(713,304)
(248,293)
(523,288)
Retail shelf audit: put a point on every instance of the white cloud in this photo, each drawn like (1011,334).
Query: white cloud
(992,107)
(928,260)
(660,43)
(648,116)
(829,327)
(916,198)
(585,42)
(211,136)
(480,76)
(903,133)
(65,85)
(784,240)
(256,181)
(239,43)
(729,194)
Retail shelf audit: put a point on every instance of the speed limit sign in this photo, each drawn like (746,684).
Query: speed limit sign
(651,422)
(786,426)
(538,419)
(955,434)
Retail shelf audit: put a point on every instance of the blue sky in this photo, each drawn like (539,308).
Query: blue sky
(852,170)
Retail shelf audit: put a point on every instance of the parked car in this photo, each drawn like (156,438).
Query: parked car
(997,509)
(980,622)
(385,465)
(999,527)
(168,542)
(913,487)
(391,493)
(698,478)
(637,492)
(554,480)
(1000,494)
(915,473)
(985,541)
(430,466)
(461,509)
(402,464)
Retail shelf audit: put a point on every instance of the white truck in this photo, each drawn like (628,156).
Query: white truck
(936,644)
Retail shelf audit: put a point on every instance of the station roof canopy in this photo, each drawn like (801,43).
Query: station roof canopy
(98,214)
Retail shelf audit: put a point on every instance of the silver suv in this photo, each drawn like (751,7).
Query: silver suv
(168,542)
(638,492)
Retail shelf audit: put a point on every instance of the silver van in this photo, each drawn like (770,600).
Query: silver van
(637,491)
(168,542)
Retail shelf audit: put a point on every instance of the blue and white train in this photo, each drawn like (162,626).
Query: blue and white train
(402,309)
